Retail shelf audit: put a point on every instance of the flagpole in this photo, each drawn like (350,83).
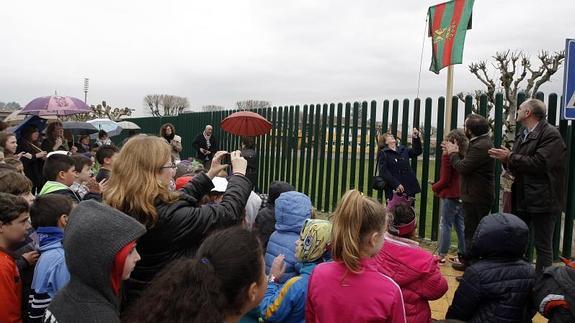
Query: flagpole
(448,99)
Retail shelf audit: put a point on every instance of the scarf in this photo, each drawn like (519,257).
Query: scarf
(207,139)
(169,137)
(49,235)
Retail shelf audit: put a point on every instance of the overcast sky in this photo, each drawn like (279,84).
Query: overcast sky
(286,52)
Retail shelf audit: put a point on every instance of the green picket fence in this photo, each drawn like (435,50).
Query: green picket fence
(327,149)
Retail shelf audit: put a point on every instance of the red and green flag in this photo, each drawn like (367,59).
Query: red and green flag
(448,23)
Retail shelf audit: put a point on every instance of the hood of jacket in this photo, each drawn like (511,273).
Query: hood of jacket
(403,261)
(52,186)
(275,190)
(49,238)
(291,211)
(500,235)
(94,235)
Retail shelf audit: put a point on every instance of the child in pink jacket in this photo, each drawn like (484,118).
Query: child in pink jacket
(351,289)
(413,268)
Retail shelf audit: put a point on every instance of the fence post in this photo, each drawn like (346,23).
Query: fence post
(416,116)
(384,129)
(362,147)
(316,139)
(344,170)
(336,173)
(303,143)
(328,177)
(309,157)
(568,229)
(394,117)
(405,122)
(454,112)
(372,147)
(425,169)
(322,178)
(353,161)
(468,106)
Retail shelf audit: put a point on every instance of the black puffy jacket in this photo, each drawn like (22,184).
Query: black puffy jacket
(497,287)
(182,226)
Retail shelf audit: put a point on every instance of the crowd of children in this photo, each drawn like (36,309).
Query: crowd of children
(149,240)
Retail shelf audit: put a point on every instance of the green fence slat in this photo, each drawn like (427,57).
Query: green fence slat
(322,178)
(309,156)
(362,147)
(438,152)
(353,161)
(289,146)
(329,159)
(384,129)
(416,117)
(468,106)
(372,146)
(454,112)
(337,178)
(552,109)
(405,122)
(295,146)
(303,142)
(394,117)
(483,105)
(346,148)
(278,145)
(273,146)
(425,169)
(316,140)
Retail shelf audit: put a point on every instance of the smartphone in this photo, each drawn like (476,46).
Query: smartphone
(226,159)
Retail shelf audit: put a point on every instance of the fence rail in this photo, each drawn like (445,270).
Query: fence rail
(326,149)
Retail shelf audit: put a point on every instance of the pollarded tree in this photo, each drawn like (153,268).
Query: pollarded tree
(514,73)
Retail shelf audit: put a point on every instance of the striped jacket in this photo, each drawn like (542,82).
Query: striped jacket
(286,303)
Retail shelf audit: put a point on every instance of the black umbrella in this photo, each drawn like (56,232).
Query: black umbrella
(79,128)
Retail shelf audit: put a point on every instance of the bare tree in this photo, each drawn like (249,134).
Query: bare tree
(165,104)
(212,107)
(252,104)
(516,73)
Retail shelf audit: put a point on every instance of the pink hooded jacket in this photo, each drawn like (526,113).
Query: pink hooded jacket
(417,273)
(338,295)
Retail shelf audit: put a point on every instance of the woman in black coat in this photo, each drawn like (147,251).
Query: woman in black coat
(28,143)
(139,187)
(394,164)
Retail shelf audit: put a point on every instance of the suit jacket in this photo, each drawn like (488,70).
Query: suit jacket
(477,171)
(538,164)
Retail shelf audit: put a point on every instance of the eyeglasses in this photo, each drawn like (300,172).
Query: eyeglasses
(171,166)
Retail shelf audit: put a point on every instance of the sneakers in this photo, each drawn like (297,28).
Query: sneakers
(440,259)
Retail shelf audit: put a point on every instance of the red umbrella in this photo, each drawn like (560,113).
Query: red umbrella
(246,123)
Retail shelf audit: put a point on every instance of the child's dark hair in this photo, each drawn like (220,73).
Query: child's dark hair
(11,206)
(208,287)
(47,210)
(402,214)
(106,151)
(55,164)
(80,161)
(12,182)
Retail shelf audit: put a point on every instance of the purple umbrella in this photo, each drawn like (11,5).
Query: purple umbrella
(55,106)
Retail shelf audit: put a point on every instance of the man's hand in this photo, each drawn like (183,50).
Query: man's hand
(451,147)
(500,153)
(400,189)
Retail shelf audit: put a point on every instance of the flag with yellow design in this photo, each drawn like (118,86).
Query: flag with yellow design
(448,23)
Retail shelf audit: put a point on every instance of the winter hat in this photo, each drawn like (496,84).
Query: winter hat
(403,221)
(314,240)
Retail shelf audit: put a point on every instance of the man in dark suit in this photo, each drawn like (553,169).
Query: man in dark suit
(538,163)
(477,177)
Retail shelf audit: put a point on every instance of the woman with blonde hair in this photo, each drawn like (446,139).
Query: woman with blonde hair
(168,132)
(336,288)
(139,187)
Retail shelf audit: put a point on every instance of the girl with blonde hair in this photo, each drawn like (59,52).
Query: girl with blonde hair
(335,288)
(139,187)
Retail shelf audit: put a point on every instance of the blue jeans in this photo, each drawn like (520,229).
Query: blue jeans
(452,214)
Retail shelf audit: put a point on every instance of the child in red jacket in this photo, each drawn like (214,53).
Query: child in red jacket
(414,269)
(447,188)
(14,225)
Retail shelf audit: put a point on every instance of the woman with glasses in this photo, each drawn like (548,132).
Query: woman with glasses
(176,224)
